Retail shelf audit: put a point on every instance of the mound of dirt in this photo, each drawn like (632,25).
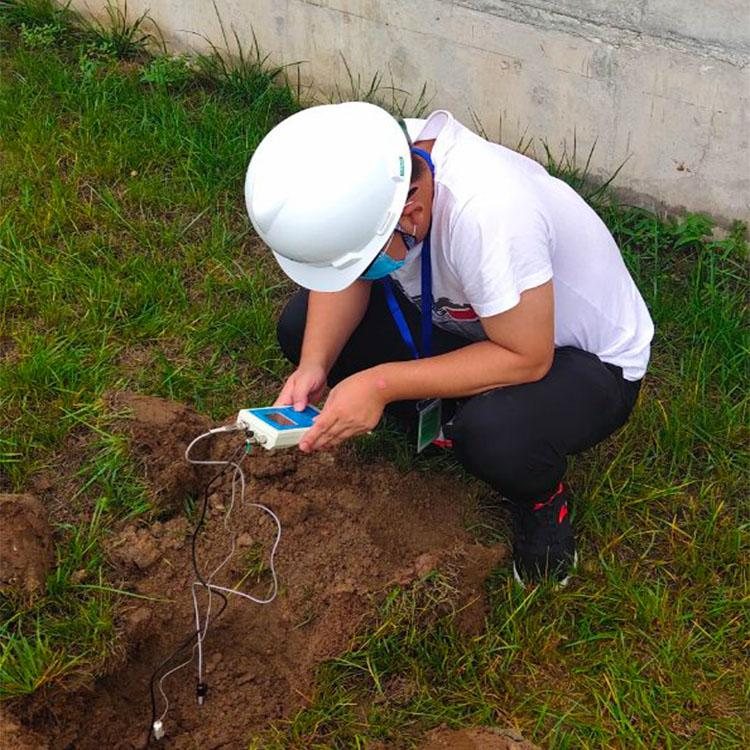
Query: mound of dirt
(26,545)
(159,431)
(350,532)
(484,738)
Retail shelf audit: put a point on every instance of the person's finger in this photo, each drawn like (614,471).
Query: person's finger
(333,441)
(313,435)
(345,432)
(287,392)
(337,432)
(300,394)
(325,427)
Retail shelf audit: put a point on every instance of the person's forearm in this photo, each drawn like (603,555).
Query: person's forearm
(465,372)
(331,320)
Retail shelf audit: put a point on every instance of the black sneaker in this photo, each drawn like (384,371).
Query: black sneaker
(544,547)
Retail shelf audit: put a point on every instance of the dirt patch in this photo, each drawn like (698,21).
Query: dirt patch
(350,532)
(134,548)
(14,736)
(159,432)
(483,738)
(134,359)
(26,546)
(8,350)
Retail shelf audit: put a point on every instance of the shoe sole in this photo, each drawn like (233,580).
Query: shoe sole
(560,584)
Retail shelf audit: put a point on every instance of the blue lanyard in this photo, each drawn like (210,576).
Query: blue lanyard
(397,313)
(426,262)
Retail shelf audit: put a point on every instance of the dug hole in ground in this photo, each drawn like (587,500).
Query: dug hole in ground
(351,531)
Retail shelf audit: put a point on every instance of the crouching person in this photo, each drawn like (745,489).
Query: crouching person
(460,286)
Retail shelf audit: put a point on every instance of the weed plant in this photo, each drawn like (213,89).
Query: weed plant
(245,75)
(118,36)
(29,14)
(171,71)
(126,262)
(374,90)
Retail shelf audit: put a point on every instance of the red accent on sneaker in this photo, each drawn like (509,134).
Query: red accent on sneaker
(563,513)
(551,498)
(442,443)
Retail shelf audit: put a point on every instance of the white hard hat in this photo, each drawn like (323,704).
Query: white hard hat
(325,190)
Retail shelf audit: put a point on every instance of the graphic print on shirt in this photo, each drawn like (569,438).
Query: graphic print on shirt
(445,309)
(458,318)
(455,317)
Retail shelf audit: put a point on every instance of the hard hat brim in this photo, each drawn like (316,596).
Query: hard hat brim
(322,278)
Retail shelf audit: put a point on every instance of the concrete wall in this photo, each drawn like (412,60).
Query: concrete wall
(662,85)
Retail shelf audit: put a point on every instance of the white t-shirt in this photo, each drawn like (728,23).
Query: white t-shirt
(501,225)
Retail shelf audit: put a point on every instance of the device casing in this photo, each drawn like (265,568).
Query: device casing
(277,426)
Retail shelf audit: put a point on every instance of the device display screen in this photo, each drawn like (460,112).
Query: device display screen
(278,418)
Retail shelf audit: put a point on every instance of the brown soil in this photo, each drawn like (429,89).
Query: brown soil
(159,432)
(484,738)
(14,736)
(350,531)
(26,548)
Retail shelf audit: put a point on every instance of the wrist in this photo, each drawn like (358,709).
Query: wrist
(313,361)
(378,379)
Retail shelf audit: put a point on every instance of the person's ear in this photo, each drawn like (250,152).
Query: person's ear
(414,212)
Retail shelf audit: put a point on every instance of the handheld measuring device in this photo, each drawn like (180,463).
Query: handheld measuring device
(277,426)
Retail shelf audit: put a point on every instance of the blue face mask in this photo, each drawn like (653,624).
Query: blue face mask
(384,265)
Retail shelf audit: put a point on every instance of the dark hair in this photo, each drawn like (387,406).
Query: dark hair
(418,167)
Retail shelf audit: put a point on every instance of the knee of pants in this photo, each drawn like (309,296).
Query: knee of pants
(290,328)
(514,459)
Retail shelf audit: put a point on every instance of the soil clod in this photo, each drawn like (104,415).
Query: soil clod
(482,738)
(26,544)
(135,549)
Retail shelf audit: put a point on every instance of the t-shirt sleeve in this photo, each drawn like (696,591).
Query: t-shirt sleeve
(498,252)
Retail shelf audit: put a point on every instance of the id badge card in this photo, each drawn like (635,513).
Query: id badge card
(430,413)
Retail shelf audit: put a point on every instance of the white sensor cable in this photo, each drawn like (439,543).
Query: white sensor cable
(202,622)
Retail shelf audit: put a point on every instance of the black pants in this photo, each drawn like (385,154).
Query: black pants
(515,438)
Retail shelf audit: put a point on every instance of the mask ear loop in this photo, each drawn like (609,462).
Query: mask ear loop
(385,249)
(411,192)
(413,232)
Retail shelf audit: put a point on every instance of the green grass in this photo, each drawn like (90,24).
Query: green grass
(120,230)
(126,262)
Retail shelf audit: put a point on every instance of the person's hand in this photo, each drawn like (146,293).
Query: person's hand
(353,407)
(305,385)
